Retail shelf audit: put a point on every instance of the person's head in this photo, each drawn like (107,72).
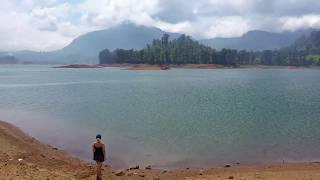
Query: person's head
(98,138)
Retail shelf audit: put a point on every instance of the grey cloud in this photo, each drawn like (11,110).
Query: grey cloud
(175,11)
(286,8)
(260,14)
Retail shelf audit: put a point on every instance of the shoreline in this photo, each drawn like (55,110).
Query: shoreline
(24,157)
(179,66)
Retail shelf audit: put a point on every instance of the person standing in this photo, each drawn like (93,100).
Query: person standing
(99,154)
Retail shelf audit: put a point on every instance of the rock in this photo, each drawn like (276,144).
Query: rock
(42,170)
(164,171)
(156,178)
(130,174)
(230,177)
(20,159)
(134,167)
(42,155)
(142,175)
(187,168)
(119,173)
(148,167)
(257,175)
(227,165)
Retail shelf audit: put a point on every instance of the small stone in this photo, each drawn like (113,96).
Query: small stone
(230,177)
(134,167)
(42,170)
(227,165)
(130,174)
(164,171)
(148,167)
(42,155)
(156,178)
(257,175)
(142,175)
(119,173)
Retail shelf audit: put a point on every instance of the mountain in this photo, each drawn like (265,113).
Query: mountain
(257,40)
(309,42)
(86,48)
(6,58)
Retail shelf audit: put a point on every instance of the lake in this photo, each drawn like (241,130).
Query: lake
(175,118)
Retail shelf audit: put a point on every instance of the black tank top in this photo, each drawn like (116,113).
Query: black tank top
(98,154)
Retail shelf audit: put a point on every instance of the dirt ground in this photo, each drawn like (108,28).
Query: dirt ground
(23,157)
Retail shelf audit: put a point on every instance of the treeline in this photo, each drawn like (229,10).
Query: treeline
(7,59)
(185,50)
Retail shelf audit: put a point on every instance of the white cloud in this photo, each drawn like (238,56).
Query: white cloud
(106,13)
(18,33)
(306,21)
(224,8)
(38,28)
(232,26)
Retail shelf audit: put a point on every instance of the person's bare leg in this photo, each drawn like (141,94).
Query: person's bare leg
(99,164)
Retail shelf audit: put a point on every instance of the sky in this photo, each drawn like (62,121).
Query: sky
(45,25)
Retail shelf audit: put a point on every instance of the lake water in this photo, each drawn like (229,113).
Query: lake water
(174,118)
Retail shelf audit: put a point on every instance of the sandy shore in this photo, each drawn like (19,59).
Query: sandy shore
(23,157)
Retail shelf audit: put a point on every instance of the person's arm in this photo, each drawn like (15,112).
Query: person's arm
(104,151)
(93,149)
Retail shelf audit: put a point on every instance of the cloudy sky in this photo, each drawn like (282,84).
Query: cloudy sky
(51,24)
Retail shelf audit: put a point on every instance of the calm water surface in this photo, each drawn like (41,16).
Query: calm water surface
(168,118)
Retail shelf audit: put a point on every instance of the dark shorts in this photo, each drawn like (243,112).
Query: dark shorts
(98,157)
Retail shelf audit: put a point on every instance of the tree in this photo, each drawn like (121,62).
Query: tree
(105,57)
(185,50)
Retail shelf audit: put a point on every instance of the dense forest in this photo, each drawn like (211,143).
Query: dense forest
(185,50)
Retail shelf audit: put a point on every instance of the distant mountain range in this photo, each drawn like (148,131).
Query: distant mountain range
(257,40)
(309,42)
(85,48)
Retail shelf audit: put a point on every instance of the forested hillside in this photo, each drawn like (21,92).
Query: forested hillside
(185,50)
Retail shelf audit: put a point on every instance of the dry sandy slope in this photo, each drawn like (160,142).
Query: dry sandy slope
(43,162)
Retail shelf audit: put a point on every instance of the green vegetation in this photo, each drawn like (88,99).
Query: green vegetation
(315,58)
(185,50)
